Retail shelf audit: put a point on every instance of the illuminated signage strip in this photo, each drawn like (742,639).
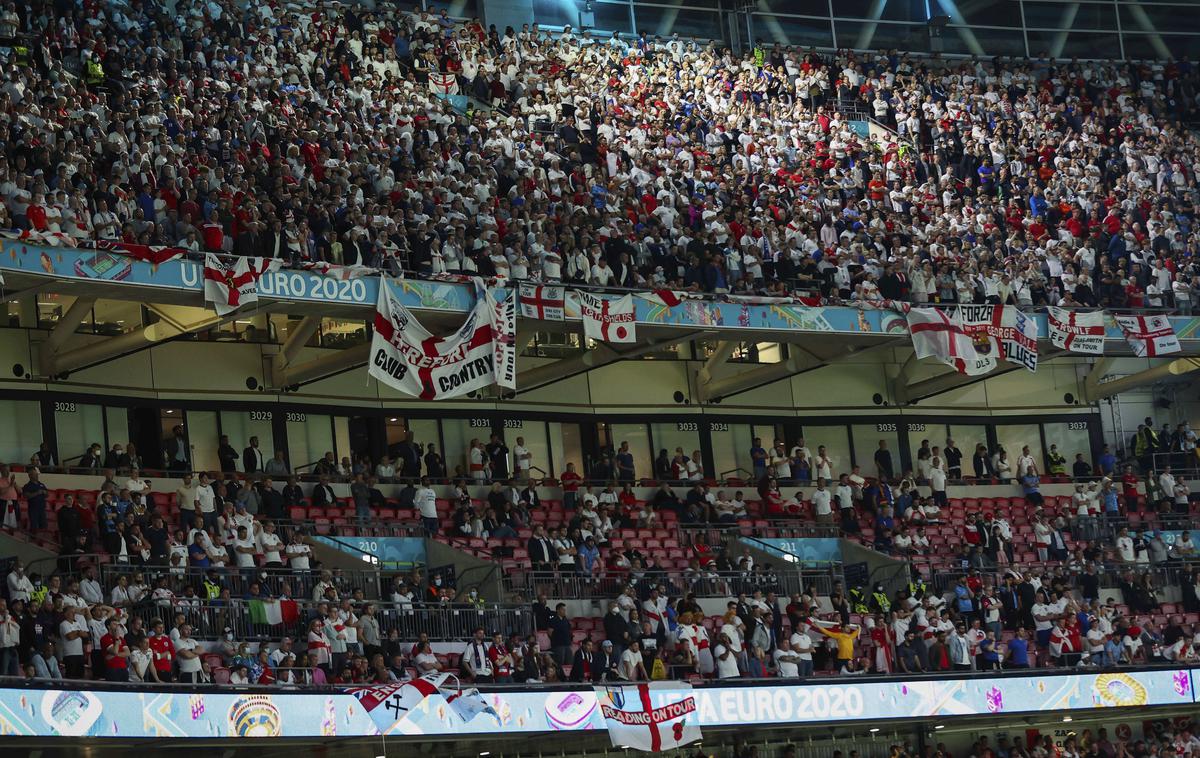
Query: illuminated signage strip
(310,287)
(410,709)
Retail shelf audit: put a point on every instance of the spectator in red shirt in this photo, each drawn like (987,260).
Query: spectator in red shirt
(163,650)
(1129,483)
(570,482)
(116,653)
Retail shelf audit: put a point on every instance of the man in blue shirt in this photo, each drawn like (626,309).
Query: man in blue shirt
(1107,462)
(35,500)
(1018,651)
(759,457)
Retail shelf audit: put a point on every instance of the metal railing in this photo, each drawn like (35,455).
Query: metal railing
(444,622)
(290,582)
(703,583)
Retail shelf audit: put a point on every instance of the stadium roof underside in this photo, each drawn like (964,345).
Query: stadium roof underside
(809,336)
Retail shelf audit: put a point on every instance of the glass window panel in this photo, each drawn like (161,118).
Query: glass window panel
(114,317)
(866,441)
(813,7)
(425,432)
(897,10)
(1076,45)
(675,436)
(203,436)
(639,445)
(842,9)
(1012,437)
(731,451)
(687,22)
(308,440)
(860,36)
(21,433)
(981,12)
(341,436)
(1161,17)
(802,32)
(1070,441)
(116,426)
(993,41)
(533,434)
(566,445)
(76,429)
(457,434)
(1059,16)
(966,437)
(240,426)
(837,446)
(613,17)
(919,433)
(396,429)
(555,13)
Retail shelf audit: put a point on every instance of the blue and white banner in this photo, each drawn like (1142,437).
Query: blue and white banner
(413,709)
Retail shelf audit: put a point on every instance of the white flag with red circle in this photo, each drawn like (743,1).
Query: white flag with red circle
(608,319)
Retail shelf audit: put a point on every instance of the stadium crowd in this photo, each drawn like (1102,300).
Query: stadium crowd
(316,133)
(203,561)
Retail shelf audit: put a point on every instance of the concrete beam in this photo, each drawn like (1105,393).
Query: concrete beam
(1092,382)
(48,351)
(327,365)
(723,352)
(796,362)
(175,321)
(600,355)
(1169,370)
(952,380)
(297,338)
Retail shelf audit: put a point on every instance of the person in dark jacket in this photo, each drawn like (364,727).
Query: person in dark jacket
(560,635)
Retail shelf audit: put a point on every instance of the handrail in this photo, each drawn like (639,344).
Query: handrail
(406,273)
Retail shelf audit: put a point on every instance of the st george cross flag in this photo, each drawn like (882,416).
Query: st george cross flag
(649,716)
(1149,336)
(669,298)
(1075,331)
(998,333)
(937,333)
(608,319)
(443,84)
(230,284)
(542,301)
(407,357)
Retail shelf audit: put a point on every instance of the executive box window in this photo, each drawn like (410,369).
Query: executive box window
(866,442)
(676,435)
(310,436)
(1012,437)
(566,446)
(204,433)
(1071,437)
(21,435)
(731,449)
(457,434)
(240,426)
(77,426)
(536,442)
(638,437)
(837,445)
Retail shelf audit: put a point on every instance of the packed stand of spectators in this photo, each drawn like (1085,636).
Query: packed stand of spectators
(313,133)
